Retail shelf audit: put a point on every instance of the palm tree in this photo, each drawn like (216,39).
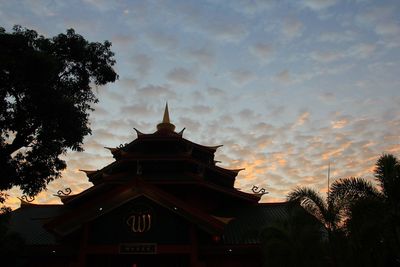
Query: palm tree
(371,216)
(294,241)
(368,217)
(361,210)
(327,212)
(387,174)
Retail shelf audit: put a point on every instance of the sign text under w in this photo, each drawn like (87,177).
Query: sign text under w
(140,219)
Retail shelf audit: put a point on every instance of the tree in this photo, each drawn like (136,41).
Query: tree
(362,211)
(387,173)
(363,222)
(327,212)
(371,216)
(297,240)
(45,99)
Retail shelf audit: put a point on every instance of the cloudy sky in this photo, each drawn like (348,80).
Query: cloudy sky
(285,86)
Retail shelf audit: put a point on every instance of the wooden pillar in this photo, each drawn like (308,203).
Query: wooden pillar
(83,247)
(194,251)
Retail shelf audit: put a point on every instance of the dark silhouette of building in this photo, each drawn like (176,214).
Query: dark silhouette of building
(162,202)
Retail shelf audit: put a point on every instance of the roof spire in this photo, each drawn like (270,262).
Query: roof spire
(166,114)
(165,125)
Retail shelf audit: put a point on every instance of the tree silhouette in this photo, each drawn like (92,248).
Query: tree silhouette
(328,212)
(363,222)
(298,240)
(387,173)
(372,215)
(45,99)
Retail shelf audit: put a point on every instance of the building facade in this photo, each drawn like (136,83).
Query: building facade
(163,202)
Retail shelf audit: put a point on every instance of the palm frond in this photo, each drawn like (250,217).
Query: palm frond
(350,189)
(311,201)
(387,173)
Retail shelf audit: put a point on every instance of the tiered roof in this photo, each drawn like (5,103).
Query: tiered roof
(171,171)
(165,157)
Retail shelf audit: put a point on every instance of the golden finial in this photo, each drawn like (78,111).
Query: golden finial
(166,114)
(166,125)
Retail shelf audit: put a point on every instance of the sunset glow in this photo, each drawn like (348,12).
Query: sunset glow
(286,87)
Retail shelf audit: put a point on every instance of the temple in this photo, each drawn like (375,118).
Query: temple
(163,202)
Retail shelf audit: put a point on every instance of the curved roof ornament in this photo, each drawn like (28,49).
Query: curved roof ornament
(166,125)
(112,149)
(88,172)
(139,133)
(181,132)
(26,200)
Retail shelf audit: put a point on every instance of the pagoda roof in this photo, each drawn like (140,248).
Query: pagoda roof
(156,136)
(165,131)
(250,221)
(93,175)
(113,181)
(96,207)
(34,221)
(28,221)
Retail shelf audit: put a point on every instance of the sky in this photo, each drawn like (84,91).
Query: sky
(287,87)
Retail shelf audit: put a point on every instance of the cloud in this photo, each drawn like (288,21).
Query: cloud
(246,114)
(182,76)
(303,118)
(340,123)
(139,109)
(262,127)
(40,9)
(101,134)
(202,55)
(201,109)
(383,20)
(214,91)
(155,91)
(224,27)
(283,76)
(358,51)
(374,15)
(102,5)
(241,76)
(226,119)
(388,28)
(335,152)
(327,96)
(319,4)
(251,7)
(262,141)
(326,57)
(190,124)
(123,40)
(129,83)
(362,50)
(163,40)
(337,37)
(143,64)
(262,51)
(292,28)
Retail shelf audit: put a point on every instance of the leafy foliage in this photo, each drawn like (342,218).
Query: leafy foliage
(45,100)
(387,173)
(325,212)
(298,240)
(369,217)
